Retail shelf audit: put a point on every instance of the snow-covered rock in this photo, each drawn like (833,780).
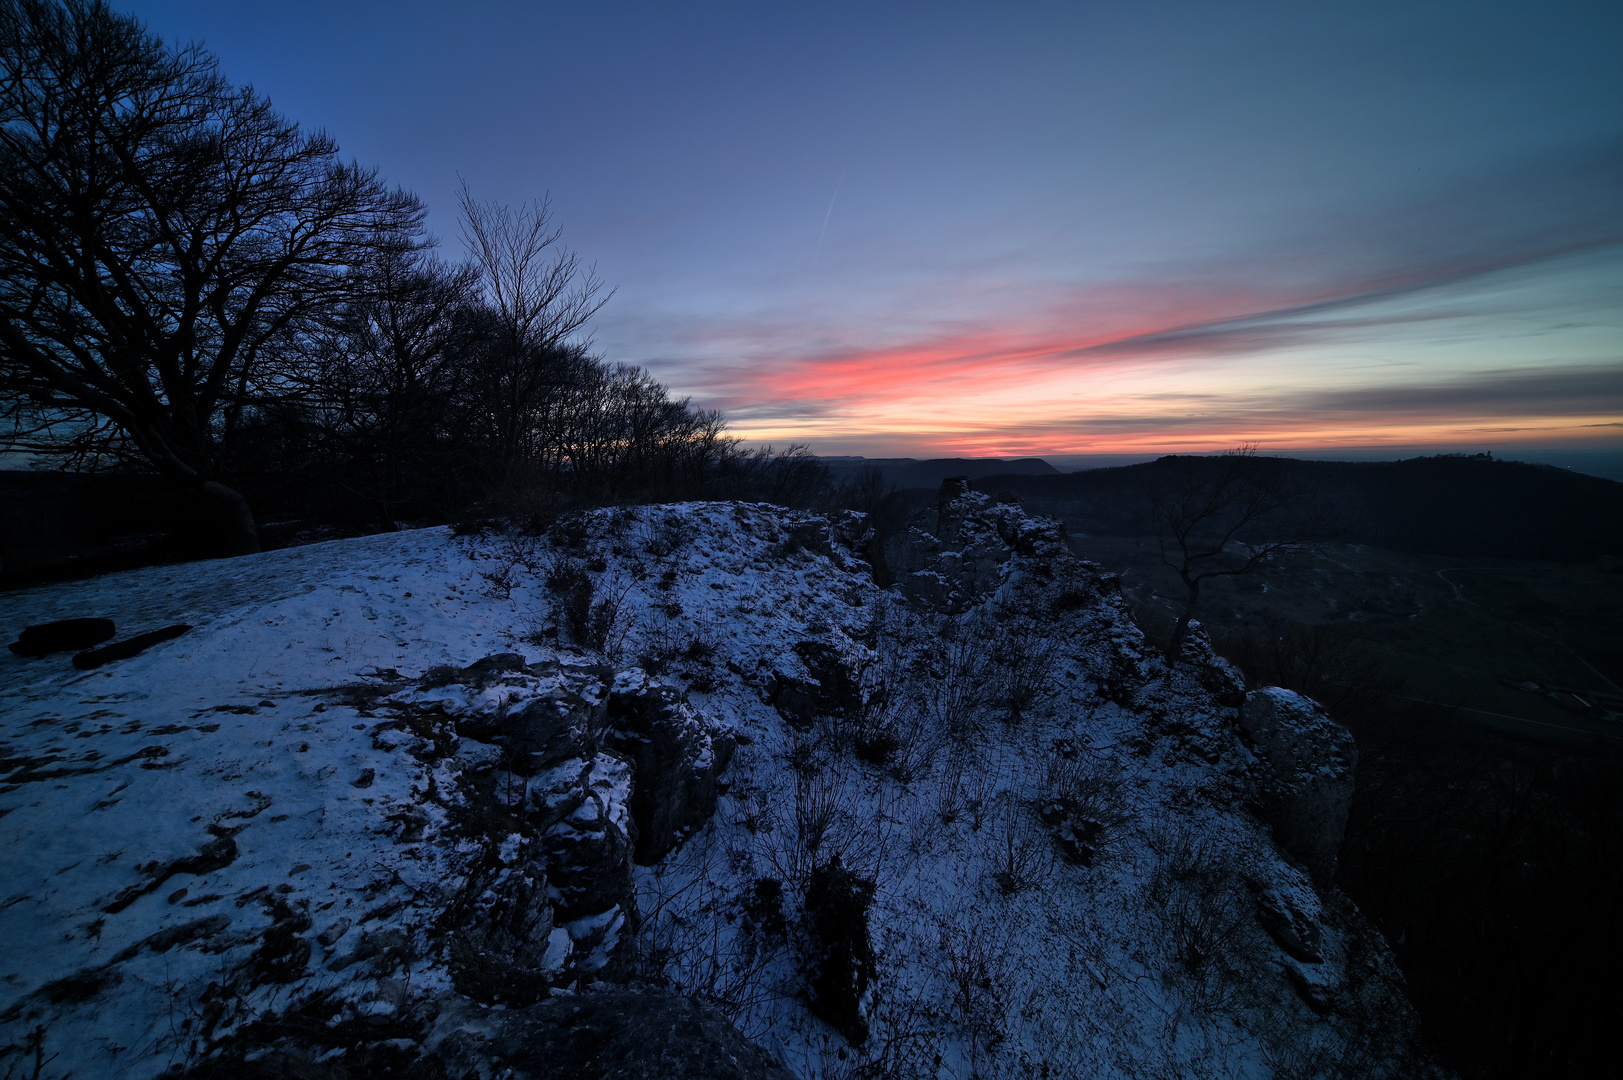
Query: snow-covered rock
(676,760)
(408,798)
(1307,763)
(949,558)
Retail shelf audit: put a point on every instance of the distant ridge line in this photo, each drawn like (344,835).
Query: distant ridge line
(1446,505)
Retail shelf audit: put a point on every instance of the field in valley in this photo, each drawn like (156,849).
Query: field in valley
(1503,641)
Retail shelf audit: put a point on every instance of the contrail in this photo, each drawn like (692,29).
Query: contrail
(830,213)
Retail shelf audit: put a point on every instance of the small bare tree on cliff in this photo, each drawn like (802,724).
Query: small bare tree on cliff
(1227,516)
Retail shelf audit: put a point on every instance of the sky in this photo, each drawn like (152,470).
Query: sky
(942,229)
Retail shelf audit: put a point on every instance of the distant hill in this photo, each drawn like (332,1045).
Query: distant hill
(929,472)
(1447,505)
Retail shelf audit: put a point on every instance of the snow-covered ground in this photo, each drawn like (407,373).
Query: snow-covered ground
(262,832)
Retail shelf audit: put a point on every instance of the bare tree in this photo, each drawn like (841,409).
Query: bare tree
(868,491)
(387,376)
(162,233)
(1227,516)
(790,477)
(540,296)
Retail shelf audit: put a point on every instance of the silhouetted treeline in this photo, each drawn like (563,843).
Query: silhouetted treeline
(929,472)
(197,292)
(413,401)
(1448,505)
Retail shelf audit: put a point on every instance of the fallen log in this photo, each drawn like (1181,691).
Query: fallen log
(62,635)
(123,650)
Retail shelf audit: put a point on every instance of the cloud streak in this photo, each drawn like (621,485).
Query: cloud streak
(971,358)
(1280,377)
(1423,269)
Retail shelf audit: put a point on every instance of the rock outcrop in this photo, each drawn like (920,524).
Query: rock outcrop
(1216,674)
(829,687)
(1305,772)
(956,555)
(676,757)
(502,942)
(839,962)
(594,768)
(971,824)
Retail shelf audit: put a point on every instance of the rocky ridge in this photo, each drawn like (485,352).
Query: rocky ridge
(969,825)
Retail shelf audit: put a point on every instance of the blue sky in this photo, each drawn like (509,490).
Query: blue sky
(1052,229)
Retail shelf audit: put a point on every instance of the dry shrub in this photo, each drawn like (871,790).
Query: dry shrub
(1022,660)
(1210,926)
(953,685)
(591,615)
(885,723)
(514,556)
(1083,807)
(1022,856)
(973,965)
(666,536)
(676,939)
(673,645)
(819,824)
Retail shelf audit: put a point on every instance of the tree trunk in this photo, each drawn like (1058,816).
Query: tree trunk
(236,518)
(1175,646)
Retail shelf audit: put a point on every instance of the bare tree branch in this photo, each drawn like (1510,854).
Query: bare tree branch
(541,296)
(1229,516)
(162,234)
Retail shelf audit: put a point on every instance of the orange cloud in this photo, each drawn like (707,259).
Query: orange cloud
(1161,369)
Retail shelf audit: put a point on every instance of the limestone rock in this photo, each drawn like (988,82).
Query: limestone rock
(1297,932)
(1306,766)
(539,716)
(957,555)
(677,758)
(1216,674)
(807,534)
(832,686)
(500,949)
(588,838)
(909,550)
(851,528)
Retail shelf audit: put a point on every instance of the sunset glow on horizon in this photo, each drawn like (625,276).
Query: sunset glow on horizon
(1324,375)
(1031,230)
